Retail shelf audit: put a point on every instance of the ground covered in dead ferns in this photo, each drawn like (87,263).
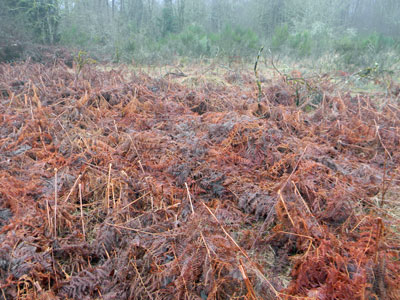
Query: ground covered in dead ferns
(116,185)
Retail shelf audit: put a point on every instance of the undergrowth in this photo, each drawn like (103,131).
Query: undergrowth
(120,185)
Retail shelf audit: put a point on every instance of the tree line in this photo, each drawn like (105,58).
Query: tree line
(151,30)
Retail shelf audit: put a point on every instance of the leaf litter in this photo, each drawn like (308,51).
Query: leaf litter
(123,186)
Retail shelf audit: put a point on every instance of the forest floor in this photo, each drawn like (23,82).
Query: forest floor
(176,183)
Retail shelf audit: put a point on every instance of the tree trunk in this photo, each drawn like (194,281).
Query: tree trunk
(181,14)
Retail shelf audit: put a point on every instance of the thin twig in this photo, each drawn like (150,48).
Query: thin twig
(247,282)
(256,74)
(141,280)
(380,231)
(113,196)
(306,206)
(55,203)
(81,206)
(294,169)
(286,209)
(205,244)
(190,198)
(108,189)
(132,229)
(273,64)
(383,189)
(73,187)
(134,201)
(380,140)
(30,105)
(66,132)
(48,214)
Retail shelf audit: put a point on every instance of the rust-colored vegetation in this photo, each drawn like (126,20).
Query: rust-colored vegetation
(115,185)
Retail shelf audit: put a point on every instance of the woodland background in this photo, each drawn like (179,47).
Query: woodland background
(342,32)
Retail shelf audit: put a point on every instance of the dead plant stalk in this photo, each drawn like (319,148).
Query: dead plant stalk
(107,199)
(81,207)
(73,187)
(141,280)
(55,203)
(48,215)
(250,289)
(190,198)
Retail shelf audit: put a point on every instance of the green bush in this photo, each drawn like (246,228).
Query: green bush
(362,50)
(280,37)
(195,41)
(39,18)
(235,41)
(301,44)
(75,36)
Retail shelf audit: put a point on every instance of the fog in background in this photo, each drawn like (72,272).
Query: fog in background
(346,32)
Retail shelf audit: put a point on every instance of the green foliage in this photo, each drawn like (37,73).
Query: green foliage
(168,21)
(76,36)
(158,31)
(362,50)
(193,41)
(236,41)
(350,48)
(130,44)
(301,44)
(39,17)
(280,37)
(81,60)
(117,55)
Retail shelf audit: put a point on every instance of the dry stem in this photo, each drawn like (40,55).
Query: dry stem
(190,198)
(107,199)
(55,203)
(81,207)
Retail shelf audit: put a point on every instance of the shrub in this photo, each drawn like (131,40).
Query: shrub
(280,37)
(235,41)
(195,40)
(301,44)
(75,36)
(361,50)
